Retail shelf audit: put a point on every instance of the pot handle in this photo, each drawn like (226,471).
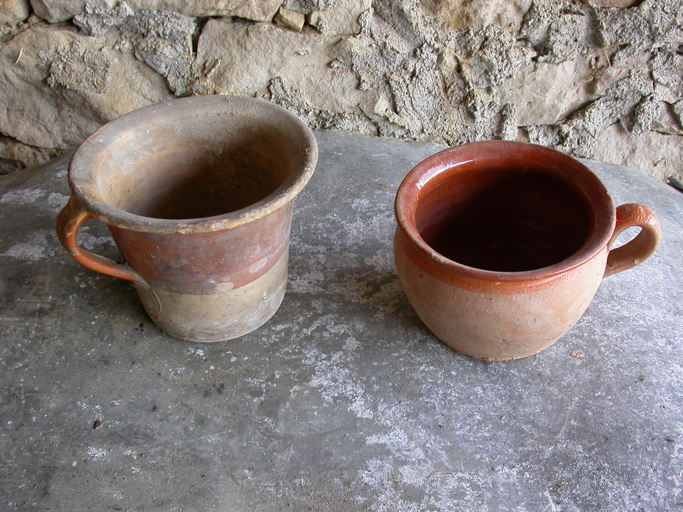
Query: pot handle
(642,246)
(70,219)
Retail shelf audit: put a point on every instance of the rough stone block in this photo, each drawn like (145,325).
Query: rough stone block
(55,11)
(238,58)
(60,86)
(13,11)
(256,10)
(290,19)
(14,155)
(452,71)
(654,153)
(95,21)
(306,6)
(466,14)
(613,3)
(343,19)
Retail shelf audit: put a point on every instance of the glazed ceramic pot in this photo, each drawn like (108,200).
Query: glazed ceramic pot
(197,194)
(501,246)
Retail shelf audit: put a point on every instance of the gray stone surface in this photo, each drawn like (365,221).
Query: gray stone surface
(95,21)
(55,11)
(343,401)
(306,6)
(462,14)
(163,41)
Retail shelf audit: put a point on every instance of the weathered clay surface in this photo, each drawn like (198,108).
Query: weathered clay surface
(498,293)
(219,316)
(558,73)
(197,194)
(494,326)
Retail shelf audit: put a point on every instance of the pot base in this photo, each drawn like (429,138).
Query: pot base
(218,316)
(498,326)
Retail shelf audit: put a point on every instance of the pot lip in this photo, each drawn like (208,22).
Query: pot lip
(83,162)
(416,184)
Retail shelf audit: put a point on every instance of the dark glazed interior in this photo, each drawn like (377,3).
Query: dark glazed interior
(505,220)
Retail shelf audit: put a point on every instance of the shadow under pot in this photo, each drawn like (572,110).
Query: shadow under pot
(197,194)
(501,246)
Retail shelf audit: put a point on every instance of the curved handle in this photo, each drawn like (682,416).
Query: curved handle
(70,219)
(642,246)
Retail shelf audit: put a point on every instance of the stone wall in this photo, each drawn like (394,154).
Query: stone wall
(600,79)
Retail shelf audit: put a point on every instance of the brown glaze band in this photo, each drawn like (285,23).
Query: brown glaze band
(162,261)
(201,263)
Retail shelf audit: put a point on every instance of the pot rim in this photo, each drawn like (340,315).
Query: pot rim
(416,184)
(94,148)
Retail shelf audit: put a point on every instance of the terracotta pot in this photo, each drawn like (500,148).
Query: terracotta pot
(501,246)
(197,194)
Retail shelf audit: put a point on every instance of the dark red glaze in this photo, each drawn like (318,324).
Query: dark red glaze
(198,263)
(502,216)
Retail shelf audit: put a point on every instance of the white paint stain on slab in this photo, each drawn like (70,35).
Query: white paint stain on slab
(98,454)
(34,250)
(57,201)
(24,196)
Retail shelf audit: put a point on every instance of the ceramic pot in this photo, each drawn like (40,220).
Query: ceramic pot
(501,246)
(197,194)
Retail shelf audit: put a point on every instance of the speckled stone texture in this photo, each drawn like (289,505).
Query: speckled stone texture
(343,401)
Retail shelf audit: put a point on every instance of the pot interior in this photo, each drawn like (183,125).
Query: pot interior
(504,219)
(194,158)
(195,177)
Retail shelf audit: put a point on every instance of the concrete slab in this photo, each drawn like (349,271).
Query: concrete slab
(343,401)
